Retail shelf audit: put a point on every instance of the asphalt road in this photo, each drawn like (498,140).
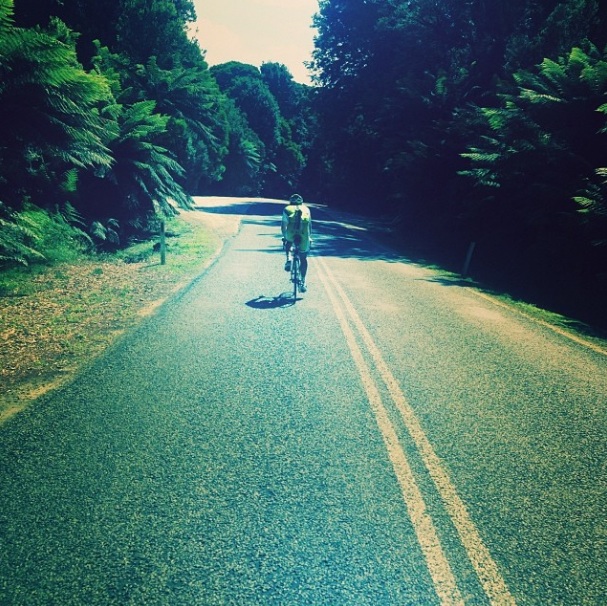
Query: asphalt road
(391,438)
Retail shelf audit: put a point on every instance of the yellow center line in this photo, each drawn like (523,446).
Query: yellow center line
(440,570)
(486,569)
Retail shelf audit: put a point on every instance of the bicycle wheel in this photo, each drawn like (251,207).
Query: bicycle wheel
(295,274)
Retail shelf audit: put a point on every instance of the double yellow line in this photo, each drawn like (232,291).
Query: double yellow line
(440,570)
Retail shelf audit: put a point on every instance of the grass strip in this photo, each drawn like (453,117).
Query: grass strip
(55,319)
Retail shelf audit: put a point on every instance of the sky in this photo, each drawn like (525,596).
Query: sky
(257,31)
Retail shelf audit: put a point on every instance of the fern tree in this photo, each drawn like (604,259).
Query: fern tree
(243,163)
(144,170)
(142,178)
(538,148)
(196,131)
(17,240)
(50,125)
(592,202)
(49,112)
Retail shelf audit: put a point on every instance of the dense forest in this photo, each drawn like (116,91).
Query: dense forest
(458,120)
(475,121)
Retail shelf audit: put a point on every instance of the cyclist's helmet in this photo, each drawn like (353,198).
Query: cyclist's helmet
(296,199)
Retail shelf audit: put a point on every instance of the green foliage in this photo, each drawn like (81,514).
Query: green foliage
(196,131)
(399,79)
(536,165)
(296,129)
(592,206)
(62,128)
(546,133)
(288,94)
(17,240)
(385,116)
(154,28)
(143,173)
(243,84)
(34,235)
(107,234)
(271,107)
(467,120)
(243,163)
(147,126)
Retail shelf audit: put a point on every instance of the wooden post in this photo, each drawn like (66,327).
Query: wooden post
(163,243)
(468,259)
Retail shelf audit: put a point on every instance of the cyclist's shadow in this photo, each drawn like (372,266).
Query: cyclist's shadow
(263,302)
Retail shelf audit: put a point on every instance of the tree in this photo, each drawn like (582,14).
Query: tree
(142,177)
(535,156)
(138,28)
(288,94)
(548,127)
(153,28)
(244,84)
(280,140)
(62,128)
(243,163)
(196,132)
(144,56)
(343,46)
(51,127)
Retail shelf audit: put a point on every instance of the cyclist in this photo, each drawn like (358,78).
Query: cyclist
(296,226)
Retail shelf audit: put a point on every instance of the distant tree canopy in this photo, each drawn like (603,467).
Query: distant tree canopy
(272,104)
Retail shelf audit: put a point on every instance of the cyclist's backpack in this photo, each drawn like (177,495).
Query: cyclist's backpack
(300,222)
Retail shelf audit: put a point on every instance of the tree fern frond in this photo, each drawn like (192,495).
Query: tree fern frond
(595,76)
(481,156)
(481,177)
(70,181)
(577,61)
(585,203)
(536,97)
(496,118)
(555,73)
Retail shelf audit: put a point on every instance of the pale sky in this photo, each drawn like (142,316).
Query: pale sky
(257,31)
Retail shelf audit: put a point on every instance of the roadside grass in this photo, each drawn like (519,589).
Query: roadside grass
(55,319)
(384,233)
(577,330)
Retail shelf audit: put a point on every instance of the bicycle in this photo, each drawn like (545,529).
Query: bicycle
(295,261)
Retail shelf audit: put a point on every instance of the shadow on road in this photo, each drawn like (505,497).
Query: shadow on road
(454,281)
(333,235)
(339,234)
(263,209)
(263,302)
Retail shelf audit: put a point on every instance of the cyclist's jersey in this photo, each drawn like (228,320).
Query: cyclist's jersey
(297,221)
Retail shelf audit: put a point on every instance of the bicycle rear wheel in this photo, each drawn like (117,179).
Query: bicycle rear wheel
(295,275)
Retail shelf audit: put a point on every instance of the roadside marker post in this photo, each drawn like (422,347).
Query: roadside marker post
(163,243)
(468,259)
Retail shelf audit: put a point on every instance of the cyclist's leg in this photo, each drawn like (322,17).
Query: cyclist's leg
(287,250)
(303,270)
(304,265)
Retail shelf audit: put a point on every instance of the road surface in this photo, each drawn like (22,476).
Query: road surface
(392,438)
